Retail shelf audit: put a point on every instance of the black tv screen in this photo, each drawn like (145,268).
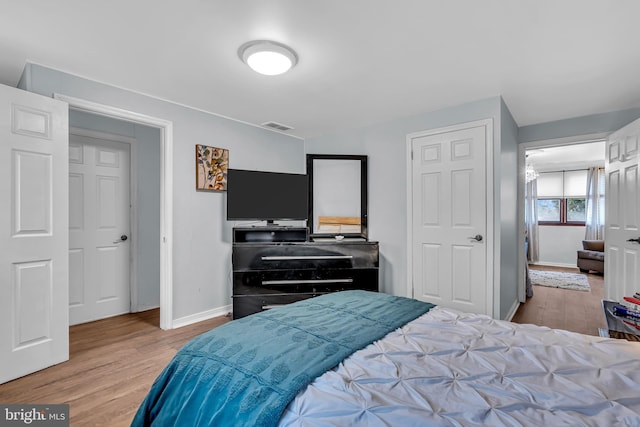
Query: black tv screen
(257,195)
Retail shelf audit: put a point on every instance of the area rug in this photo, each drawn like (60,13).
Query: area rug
(559,279)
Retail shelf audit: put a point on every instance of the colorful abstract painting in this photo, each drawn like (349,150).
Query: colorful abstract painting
(211,168)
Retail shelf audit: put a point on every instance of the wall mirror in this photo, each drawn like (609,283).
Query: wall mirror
(337,195)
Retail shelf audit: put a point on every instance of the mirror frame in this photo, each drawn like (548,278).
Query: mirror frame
(363,193)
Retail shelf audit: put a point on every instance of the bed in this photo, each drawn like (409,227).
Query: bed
(365,358)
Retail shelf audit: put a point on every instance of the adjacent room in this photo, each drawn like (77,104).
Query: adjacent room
(330,213)
(564,217)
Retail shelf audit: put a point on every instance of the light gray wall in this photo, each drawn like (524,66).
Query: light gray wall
(385,146)
(147,173)
(558,245)
(148,224)
(202,236)
(507,204)
(585,125)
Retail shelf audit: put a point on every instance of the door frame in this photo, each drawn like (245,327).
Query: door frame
(166,190)
(522,148)
(491,242)
(133,206)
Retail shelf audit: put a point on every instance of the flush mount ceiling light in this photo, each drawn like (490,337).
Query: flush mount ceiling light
(267,57)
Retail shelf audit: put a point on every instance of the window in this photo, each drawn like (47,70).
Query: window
(576,211)
(549,210)
(560,211)
(561,198)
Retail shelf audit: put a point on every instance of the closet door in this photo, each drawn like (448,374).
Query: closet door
(99,229)
(34,262)
(450,234)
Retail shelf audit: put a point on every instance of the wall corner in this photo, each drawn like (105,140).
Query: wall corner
(25,78)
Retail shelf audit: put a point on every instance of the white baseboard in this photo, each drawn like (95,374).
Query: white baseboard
(199,317)
(555,264)
(512,311)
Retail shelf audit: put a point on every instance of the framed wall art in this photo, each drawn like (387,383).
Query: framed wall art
(211,168)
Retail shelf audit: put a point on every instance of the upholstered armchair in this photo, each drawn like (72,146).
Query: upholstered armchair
(591,257)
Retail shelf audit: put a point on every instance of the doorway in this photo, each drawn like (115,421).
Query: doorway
(555,221)
(561,174)
(165,130)
(556,173)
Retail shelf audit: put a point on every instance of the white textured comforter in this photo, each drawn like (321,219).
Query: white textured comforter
(449,368)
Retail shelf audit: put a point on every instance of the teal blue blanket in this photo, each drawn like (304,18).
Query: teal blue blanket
(247,371)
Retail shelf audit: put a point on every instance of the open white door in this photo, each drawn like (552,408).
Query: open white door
(34,261)
(622,218)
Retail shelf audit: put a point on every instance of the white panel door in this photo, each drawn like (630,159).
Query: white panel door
(99,224)
(34,331)
(622,218)
(449,229)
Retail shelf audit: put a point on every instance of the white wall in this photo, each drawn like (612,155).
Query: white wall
(558,244)
(202,236)
(385,146)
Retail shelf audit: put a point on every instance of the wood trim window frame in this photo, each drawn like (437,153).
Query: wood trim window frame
(563,213)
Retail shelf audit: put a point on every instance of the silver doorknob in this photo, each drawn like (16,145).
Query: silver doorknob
(122,239)
(477,238)
(634,240)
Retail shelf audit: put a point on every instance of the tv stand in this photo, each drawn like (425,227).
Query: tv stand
(270,233)
(273,266)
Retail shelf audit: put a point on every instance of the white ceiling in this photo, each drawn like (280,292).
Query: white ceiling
(361,61)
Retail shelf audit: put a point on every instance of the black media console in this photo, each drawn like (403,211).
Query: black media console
(273,266)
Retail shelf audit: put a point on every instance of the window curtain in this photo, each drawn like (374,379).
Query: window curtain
(594,205)
(531,219)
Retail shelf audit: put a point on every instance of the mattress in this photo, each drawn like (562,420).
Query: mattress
(448,368)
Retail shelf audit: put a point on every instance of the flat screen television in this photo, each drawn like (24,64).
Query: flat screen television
(266,196)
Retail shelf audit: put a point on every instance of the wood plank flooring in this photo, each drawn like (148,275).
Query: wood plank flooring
(576,311)
(113,363)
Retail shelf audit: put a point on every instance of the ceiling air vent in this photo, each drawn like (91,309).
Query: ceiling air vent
(277,126)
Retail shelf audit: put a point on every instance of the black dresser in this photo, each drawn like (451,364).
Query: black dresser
(277,266)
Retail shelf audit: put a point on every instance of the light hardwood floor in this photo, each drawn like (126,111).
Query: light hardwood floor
(576,311)
(112,364)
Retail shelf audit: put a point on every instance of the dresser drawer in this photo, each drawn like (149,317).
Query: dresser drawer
(321,280)
(268,274)
(303,256)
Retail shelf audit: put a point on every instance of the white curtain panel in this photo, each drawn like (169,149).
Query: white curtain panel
(594,205)
(531,219)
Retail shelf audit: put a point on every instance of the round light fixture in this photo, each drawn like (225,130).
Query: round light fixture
(267,57)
